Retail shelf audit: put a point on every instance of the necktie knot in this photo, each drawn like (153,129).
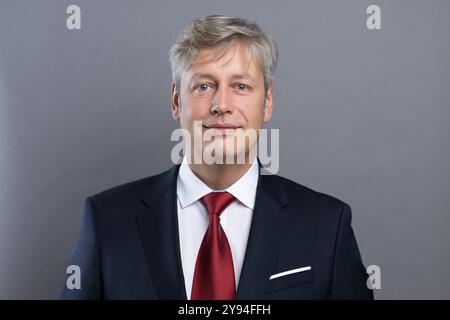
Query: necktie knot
(216,202)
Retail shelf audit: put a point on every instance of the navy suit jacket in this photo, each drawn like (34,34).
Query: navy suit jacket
(128,245)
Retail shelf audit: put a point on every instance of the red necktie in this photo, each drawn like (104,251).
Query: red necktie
(214,272)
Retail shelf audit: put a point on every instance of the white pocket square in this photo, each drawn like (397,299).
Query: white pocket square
(285,273)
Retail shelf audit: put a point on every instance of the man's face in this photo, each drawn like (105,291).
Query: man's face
(221,94)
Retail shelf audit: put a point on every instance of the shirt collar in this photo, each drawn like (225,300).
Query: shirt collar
(190,188)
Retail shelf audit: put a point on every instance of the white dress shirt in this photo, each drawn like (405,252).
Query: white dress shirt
(193,219)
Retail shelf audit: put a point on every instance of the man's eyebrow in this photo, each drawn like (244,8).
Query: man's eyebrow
(236,76)
(202,76)
(244,76)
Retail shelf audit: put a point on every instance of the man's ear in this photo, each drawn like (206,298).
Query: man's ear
(175,102)
(268,103)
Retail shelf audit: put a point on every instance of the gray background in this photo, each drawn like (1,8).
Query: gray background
(363,115)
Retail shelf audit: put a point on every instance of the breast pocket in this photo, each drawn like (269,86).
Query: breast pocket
(290,278)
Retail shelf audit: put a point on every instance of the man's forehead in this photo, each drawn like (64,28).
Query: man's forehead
(223,53)
(237,64)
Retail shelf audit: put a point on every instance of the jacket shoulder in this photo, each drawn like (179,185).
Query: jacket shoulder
(306,196)
(132,189)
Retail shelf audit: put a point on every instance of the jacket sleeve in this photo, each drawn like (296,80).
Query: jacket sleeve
(85,256)
(349,273)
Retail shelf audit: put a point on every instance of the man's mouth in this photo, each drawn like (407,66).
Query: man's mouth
(223,128)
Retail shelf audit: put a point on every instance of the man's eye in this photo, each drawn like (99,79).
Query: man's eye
(241,86)
(202,87)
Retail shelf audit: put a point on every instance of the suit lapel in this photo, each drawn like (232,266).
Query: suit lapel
(158,226)
(269,224)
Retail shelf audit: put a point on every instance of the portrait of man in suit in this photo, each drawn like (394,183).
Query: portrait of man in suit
(218,230)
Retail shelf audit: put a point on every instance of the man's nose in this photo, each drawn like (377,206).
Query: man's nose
(222,102)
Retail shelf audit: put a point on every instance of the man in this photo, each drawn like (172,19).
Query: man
(218,230)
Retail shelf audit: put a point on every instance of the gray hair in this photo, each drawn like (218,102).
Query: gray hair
(218,31)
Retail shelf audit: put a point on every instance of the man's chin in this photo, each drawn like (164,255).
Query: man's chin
(231,157)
